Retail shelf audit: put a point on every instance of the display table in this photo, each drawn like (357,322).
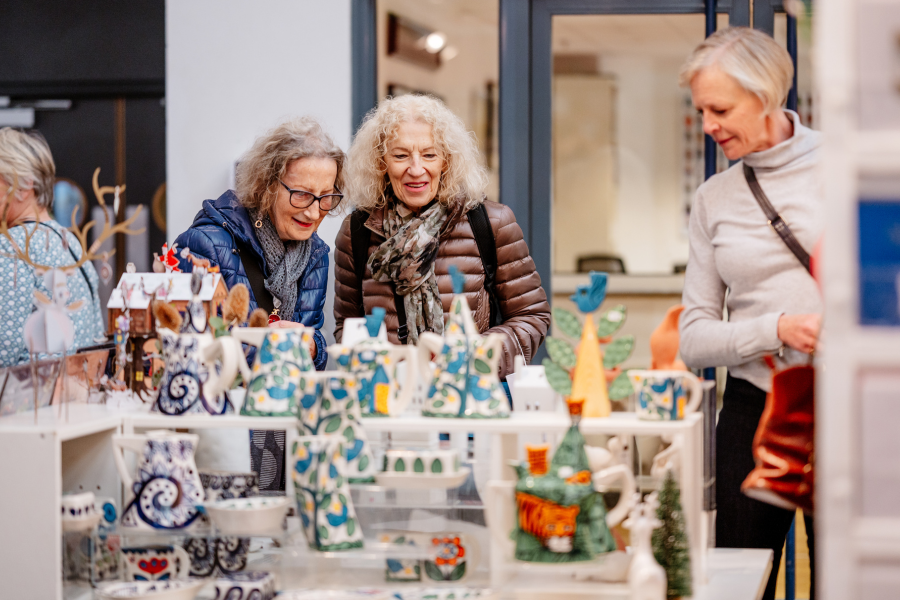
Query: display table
(42,460)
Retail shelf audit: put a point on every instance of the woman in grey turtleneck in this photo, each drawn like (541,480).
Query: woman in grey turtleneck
(739,79)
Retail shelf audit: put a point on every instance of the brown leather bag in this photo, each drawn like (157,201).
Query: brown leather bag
(783,444)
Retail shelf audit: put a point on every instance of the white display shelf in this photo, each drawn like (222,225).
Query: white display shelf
(530,422)
(82,420)
(148,420)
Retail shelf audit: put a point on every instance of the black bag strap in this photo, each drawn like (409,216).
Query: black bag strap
(487,248)
(775,220)
(360,237)
(257,280)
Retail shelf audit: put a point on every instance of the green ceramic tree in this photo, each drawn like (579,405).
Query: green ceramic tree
(670,543)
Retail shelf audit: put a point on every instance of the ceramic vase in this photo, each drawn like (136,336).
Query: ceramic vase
(166,489)
(332,408)
(281,362)
(464,382)
(323,493)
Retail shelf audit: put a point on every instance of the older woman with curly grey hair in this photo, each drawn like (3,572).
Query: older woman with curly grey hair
(739,79)
(413,173)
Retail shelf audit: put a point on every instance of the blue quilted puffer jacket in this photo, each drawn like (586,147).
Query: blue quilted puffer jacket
(212,235)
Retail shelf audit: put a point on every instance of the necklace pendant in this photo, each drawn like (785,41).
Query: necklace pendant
(273,318)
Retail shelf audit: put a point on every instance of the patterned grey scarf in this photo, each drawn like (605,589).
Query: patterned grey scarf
(406,258)
(286,261)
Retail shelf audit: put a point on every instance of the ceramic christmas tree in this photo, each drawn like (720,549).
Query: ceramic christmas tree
(560,516)
(670,543)
(464,382)
(646,578)
(581,374)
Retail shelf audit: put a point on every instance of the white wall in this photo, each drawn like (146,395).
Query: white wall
(234,69)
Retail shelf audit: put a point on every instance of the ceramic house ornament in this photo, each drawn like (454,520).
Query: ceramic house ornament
(582,374)
(464,382)
(373,362)
(561,518)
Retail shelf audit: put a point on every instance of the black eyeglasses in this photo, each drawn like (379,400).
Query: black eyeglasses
(304,199)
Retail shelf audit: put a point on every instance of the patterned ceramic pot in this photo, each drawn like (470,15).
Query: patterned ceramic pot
(334,410)
(192,382)
(665,395)
(252,585)
(167,489)
(373,363)
(279,369)
(217,556)
(323,493)
(154,563)
(222,485)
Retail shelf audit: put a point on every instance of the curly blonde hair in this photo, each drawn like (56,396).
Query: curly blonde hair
(463,178)
(267,161)
(25,160)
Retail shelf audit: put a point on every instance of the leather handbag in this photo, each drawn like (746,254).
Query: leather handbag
(783,444)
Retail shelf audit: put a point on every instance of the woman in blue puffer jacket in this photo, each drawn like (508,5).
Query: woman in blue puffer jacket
(263,234)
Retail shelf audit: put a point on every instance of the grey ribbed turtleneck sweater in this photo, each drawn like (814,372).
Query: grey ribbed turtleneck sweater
(737,260)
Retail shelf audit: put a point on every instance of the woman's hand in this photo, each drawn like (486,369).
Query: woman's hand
(800,332)
(313,350)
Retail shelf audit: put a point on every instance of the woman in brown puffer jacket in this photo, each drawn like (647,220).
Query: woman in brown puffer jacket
(414,171)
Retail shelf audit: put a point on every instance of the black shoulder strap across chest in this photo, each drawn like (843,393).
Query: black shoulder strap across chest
(487,249)
(256,277)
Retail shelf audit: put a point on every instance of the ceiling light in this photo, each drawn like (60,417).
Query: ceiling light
(435,42)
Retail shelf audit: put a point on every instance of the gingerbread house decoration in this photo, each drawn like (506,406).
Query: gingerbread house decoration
(175,288)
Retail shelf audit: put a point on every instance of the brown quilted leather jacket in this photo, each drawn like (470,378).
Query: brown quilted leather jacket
(523,302)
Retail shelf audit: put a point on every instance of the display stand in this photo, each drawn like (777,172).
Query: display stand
(54,455)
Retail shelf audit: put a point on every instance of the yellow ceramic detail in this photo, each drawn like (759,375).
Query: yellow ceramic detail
(589,379)
(382,390)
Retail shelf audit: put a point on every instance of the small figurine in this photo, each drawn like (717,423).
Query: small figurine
(646,578)
(169,259)
(195,315)
(664,342)
(130,268)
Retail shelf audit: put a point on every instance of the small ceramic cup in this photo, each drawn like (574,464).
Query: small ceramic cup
(441,462)
(78,506)
(250,585)
(155,563)
(665,395)
(225,485)
(400,461)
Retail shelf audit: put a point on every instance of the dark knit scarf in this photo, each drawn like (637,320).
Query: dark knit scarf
(286,262)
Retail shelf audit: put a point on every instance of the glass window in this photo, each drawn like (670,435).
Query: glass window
(447,48)
(627,143)
(807,107)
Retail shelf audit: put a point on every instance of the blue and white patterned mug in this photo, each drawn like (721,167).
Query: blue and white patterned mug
(665,395)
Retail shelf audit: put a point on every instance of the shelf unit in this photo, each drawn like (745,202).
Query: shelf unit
(79,452)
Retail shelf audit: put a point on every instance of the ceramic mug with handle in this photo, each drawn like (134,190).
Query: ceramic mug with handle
(665,395)
(374,363)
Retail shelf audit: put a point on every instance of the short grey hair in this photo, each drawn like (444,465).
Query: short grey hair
(25,160)
(751,57)
(258,171)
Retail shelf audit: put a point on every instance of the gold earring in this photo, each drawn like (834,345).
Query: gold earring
(258,223)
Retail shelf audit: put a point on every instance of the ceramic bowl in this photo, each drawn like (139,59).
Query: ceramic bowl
(77,506)
(258,585)
(151,590)
(222,485)
(247,516)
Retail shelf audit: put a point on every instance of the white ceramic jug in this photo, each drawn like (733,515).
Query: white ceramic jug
(195,381)
(166,490)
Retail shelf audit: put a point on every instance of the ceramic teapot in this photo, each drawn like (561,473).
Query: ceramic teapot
(166,489)
(464,382)
(281,361)
(373,362)
(198,372)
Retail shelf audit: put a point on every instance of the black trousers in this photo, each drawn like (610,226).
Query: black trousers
(742,522)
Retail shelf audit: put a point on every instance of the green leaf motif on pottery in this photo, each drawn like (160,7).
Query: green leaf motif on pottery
(258,384)
(621,387)
(349,433)
(363,462)
(567,322)
(458,573)
(618,351)
(493,404)
(482,367)
(400,465)
(490,353)
(343,499)
(437,466)
(419,466)
(323,532)
(338,481)
(561,352)
(333,425)
(351,526)
(279,380)
(325,501)
(557,377)
(439,403)
(326,404)
(611,321)
(285,371)
(433,571)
